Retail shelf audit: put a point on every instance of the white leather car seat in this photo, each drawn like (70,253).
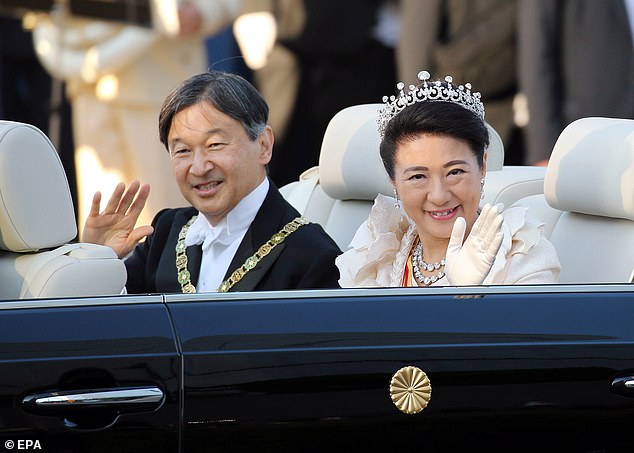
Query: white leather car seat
(588,201)
(339,193)
(37,221)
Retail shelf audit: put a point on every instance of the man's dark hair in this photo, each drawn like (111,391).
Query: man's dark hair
(229,93)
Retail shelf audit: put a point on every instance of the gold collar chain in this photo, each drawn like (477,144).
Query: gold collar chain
(184,277)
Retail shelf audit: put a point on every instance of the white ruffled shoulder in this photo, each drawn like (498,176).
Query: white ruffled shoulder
(372,255)
(526,255)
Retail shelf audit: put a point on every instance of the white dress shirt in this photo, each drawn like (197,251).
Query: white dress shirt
(220,242)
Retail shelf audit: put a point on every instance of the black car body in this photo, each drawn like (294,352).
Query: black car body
(509,368)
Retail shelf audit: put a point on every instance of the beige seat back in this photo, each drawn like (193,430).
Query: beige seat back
(538,207)
(37,221)
(340,192)
(590,180)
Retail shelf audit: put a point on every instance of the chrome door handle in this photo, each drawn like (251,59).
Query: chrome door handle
(120,397)
(624,385)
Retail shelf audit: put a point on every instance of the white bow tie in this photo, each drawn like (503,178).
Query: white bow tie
(200,232)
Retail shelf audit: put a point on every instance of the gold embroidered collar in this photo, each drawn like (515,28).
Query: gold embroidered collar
(184,277)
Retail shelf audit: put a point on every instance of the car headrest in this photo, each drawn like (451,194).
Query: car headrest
(350,166)
(591,168)
(36,207)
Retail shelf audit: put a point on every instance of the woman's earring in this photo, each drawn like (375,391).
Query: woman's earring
(397,202)
(482,189)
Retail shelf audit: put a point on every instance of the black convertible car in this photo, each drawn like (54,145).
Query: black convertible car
(84,368)
(506,369)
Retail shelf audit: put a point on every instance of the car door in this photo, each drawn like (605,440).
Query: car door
(504,368)
(88,375)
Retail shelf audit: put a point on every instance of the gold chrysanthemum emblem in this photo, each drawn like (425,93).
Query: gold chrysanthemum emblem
(410,390)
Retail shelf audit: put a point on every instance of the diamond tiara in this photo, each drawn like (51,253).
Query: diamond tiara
(431,92)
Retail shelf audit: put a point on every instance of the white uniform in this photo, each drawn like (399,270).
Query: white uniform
(116,136)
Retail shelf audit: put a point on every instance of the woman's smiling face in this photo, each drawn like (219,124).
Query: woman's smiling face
(438,179)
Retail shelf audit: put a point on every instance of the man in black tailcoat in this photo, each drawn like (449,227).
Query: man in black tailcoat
(240,233)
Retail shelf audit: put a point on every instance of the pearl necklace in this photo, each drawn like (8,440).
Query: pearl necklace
(418,263)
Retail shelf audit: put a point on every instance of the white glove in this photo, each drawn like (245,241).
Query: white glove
(469,263)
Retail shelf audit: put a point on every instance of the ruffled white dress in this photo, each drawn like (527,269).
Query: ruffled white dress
(381,246)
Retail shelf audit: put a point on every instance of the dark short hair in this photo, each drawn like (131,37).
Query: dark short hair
(436,118)
(229,93)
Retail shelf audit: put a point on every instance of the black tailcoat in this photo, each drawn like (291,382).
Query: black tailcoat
(306,258)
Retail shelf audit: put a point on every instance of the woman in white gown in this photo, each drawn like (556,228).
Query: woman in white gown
(434,232)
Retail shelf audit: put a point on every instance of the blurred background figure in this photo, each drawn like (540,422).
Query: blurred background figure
(29,95)
(320,57)
(117,75)
(576,59)
(26,86)
(474,41)
(223,54)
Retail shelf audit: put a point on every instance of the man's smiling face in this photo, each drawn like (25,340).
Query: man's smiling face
(214,162)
